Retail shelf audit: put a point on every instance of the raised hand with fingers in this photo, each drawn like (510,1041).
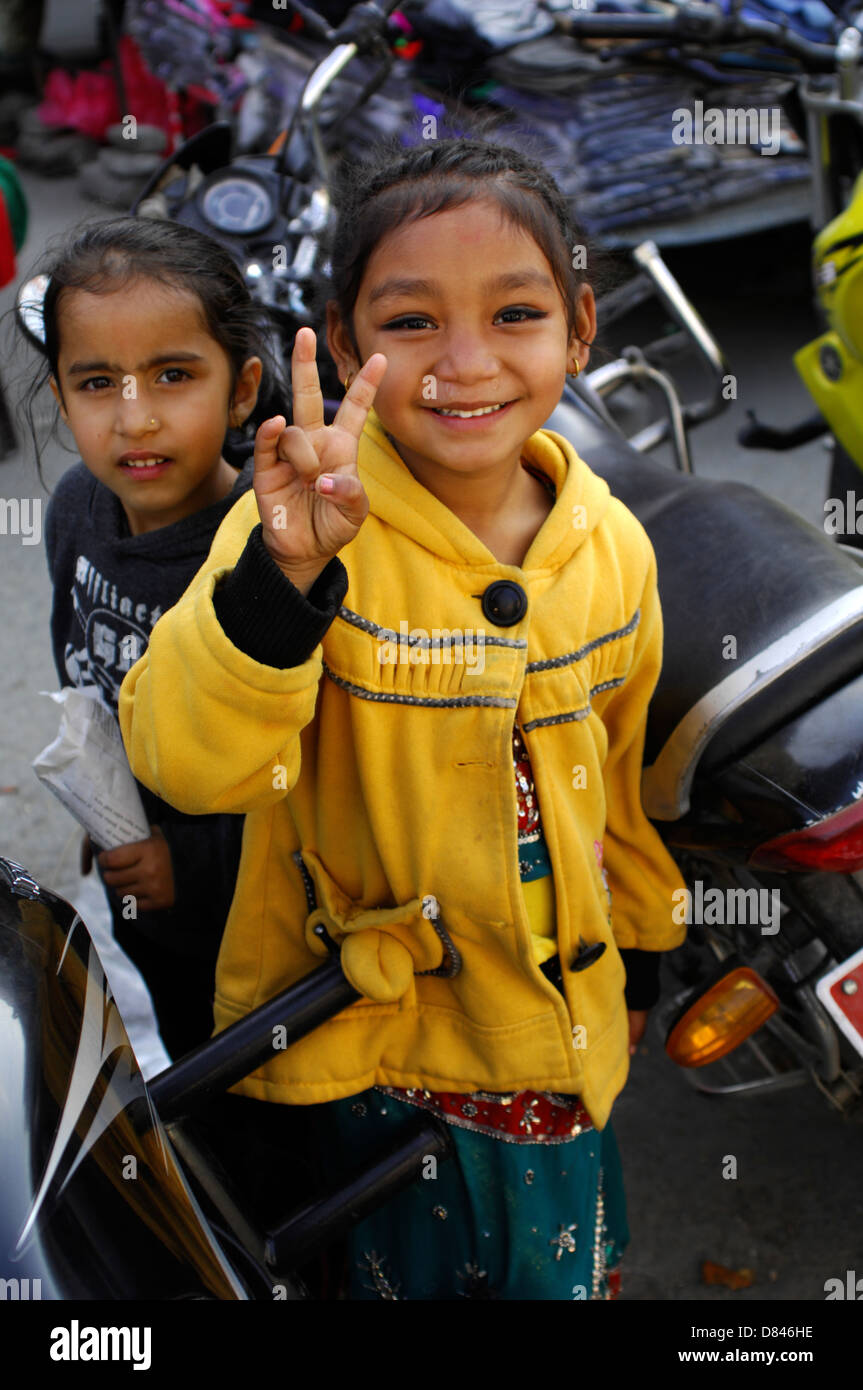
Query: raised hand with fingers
(310,498)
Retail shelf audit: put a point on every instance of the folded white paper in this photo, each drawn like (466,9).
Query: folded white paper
(87,769)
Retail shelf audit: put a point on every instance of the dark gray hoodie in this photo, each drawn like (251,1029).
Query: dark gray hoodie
(110,588)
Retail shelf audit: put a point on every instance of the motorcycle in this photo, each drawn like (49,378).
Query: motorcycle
(754,788)
(753,774)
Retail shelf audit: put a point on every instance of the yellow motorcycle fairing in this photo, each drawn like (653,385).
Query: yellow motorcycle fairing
(834,379)
(832,366)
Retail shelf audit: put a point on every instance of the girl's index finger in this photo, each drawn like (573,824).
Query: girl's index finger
(308,410)
(360,397)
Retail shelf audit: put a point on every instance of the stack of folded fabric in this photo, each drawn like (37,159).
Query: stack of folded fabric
(625,133)
(613,147)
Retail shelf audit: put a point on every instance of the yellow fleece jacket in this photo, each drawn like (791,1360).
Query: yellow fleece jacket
(394,779)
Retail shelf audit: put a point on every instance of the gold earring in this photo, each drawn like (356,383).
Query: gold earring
(576,371)
(348,379)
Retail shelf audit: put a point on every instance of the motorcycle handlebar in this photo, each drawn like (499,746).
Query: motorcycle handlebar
(364,23)
(361,31)
(704,24)
(696,22)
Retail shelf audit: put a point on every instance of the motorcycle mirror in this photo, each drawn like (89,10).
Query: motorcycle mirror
(29,305)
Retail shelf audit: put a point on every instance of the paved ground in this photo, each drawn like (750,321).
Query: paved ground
(795,1212)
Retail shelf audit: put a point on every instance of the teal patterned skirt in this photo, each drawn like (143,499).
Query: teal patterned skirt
(530,1206)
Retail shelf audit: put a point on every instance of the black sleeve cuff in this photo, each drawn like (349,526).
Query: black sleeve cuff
(264,615)
(642,978)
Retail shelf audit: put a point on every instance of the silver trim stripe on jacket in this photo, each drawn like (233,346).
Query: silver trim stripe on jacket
(461,701)
(389,634)
(588,647)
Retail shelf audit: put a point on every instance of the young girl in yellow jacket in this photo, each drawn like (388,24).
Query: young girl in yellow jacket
(419,660)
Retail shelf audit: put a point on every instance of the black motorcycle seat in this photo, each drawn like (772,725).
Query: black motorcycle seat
(762,613)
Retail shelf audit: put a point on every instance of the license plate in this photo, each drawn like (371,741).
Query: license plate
(841,993)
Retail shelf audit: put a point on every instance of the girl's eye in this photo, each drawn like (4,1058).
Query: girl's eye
(407,321)
(172,375)
(410,320)
(525,313)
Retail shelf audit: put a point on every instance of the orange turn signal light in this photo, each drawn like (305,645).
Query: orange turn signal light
(721,1019)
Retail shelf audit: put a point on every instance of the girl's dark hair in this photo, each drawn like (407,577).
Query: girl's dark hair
(102,257)
(394,185)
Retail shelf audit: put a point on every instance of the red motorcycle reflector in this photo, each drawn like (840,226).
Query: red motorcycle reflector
(834,845)
(721,1018)
(841,993)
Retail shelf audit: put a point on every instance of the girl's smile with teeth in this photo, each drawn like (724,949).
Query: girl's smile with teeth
(466,421)
(468,414)
(145,467)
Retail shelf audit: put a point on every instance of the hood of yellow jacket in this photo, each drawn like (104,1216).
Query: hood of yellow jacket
(397,497)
